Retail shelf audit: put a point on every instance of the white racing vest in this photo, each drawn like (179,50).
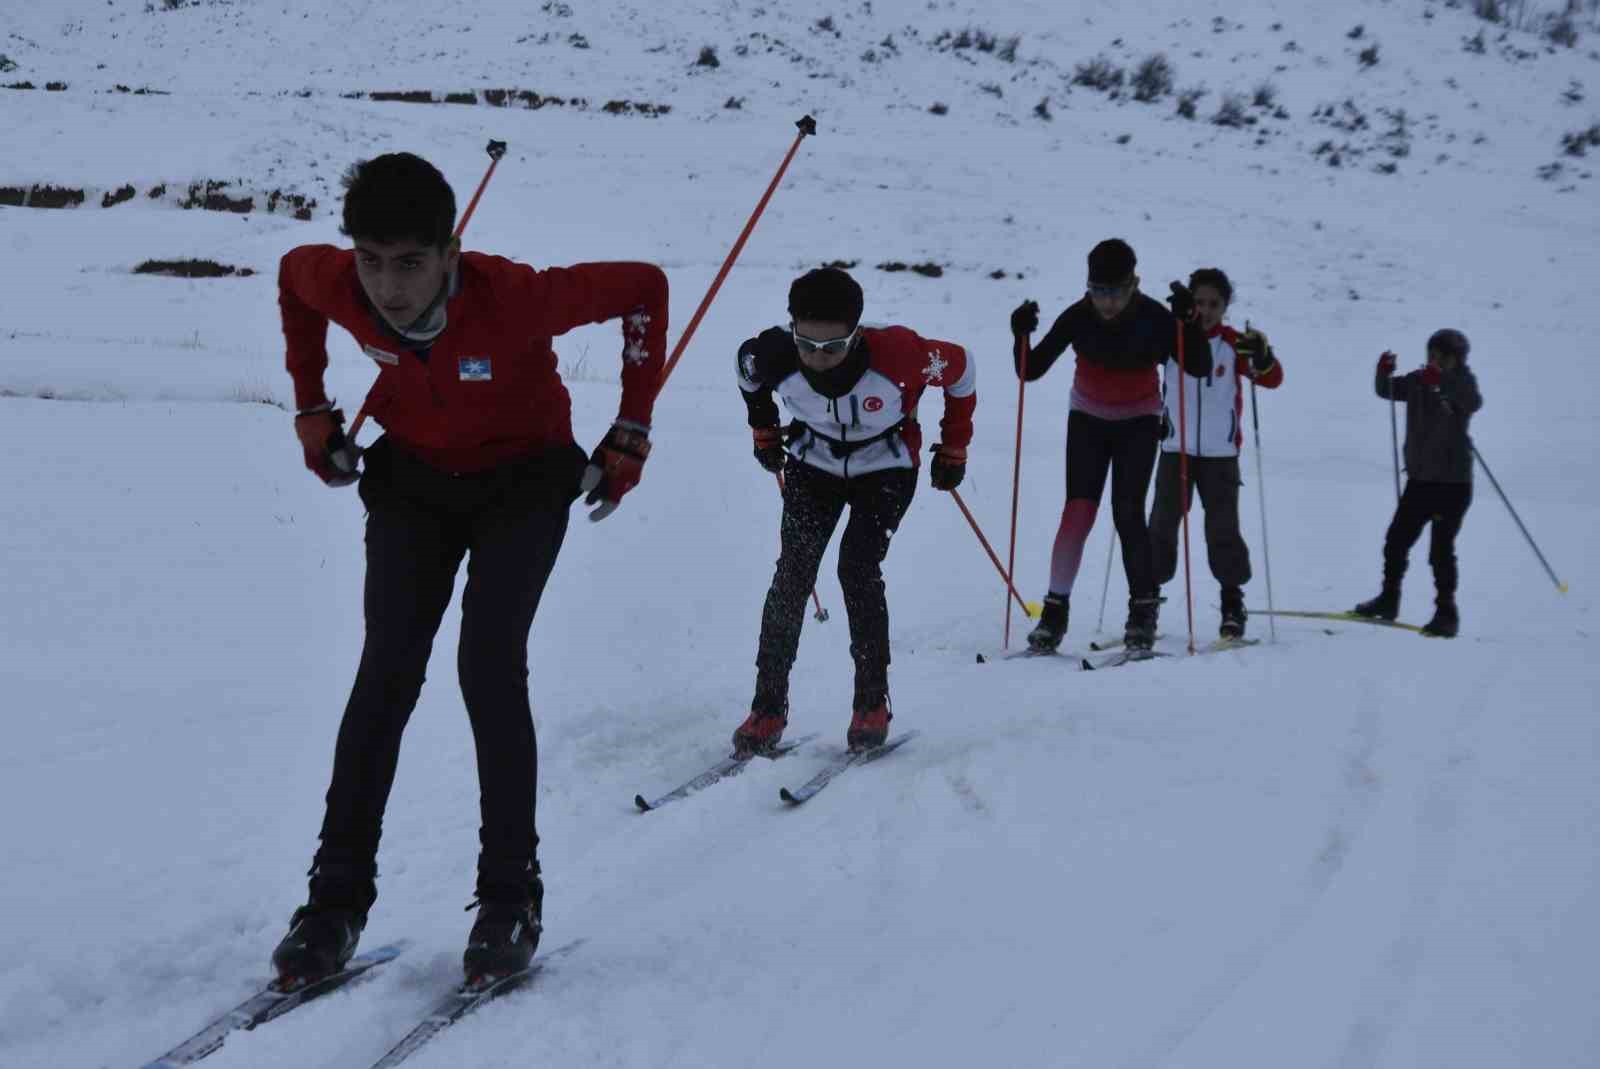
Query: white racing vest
(874,426)
(1213,406)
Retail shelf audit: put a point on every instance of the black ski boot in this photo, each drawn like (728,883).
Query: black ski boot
(1386,606)
(1052,626)
(1446,620)
(324,932)
(1140,633)
(506,933)
(320,941)
(1233,614)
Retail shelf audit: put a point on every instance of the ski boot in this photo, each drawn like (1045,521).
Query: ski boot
(1386,606)
(869,727)
(320,941)
(1446,622)
(324,932)
(1140,633)
(1233,614)
(510,906)
(1052,626)
(762,729)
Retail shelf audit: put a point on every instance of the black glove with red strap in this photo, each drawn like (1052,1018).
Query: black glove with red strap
(948,468)
(770,453)
(615,467)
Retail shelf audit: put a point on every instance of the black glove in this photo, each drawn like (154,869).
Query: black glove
(615,467)
(1025,320)
(1182,301)
(770,453)
(948,467)
(1252,345)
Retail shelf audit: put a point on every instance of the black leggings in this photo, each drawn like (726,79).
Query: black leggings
(1126,449)
(509,523)
(813,501)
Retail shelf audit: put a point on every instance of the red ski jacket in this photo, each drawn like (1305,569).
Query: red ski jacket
(486,390)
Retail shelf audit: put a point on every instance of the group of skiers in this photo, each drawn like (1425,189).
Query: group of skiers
(478,461)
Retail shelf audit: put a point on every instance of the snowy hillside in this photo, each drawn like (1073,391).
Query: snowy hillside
(1349,848)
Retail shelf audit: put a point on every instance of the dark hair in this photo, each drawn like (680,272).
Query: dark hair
(395,197)
(827,294)
(1112,261)
(1451,343)
(1214,277)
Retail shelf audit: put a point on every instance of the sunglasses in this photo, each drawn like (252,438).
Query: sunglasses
(1107,292)
(831,346)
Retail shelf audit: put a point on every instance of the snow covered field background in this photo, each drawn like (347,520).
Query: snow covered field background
(1351,849)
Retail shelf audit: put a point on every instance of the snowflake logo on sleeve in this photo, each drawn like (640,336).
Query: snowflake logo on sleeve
(935,369)
(634,327)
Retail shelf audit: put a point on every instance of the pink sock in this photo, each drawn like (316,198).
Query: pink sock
(1077,518)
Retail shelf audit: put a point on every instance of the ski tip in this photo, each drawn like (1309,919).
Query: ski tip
(783,792)
(1087,665)
(644,806)
(981,659)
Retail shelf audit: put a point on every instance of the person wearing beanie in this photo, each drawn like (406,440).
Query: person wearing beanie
(1211,419)
(1440,398)
(852,442)
(1121,338)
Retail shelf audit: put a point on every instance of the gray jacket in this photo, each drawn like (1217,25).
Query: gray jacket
(1437,447)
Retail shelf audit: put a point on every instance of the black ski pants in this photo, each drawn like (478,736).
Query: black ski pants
(1217,479)
(1445,506)
(509,523)
(813,501)
(1126,450)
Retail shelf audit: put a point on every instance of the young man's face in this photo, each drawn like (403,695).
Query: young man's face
(1210,306)
(822,344)
(401,278)
(1111,301)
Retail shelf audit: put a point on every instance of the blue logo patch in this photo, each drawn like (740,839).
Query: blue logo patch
(475,369)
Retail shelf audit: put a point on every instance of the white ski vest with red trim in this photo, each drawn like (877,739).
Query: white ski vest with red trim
(1213,406)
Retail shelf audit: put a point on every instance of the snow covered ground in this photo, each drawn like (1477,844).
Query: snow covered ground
(1345,849)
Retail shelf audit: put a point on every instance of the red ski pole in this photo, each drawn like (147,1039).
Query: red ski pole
(496,150)
(1183,479)
(808,127)
(1016,482)
(1028,609)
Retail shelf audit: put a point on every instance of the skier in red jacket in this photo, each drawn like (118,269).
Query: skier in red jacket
(477,461)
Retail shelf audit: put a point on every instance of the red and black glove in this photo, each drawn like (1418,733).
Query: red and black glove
(1431,375)
(329,455)
(1386,363)
(770,453)
(948,468)
(615,467)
